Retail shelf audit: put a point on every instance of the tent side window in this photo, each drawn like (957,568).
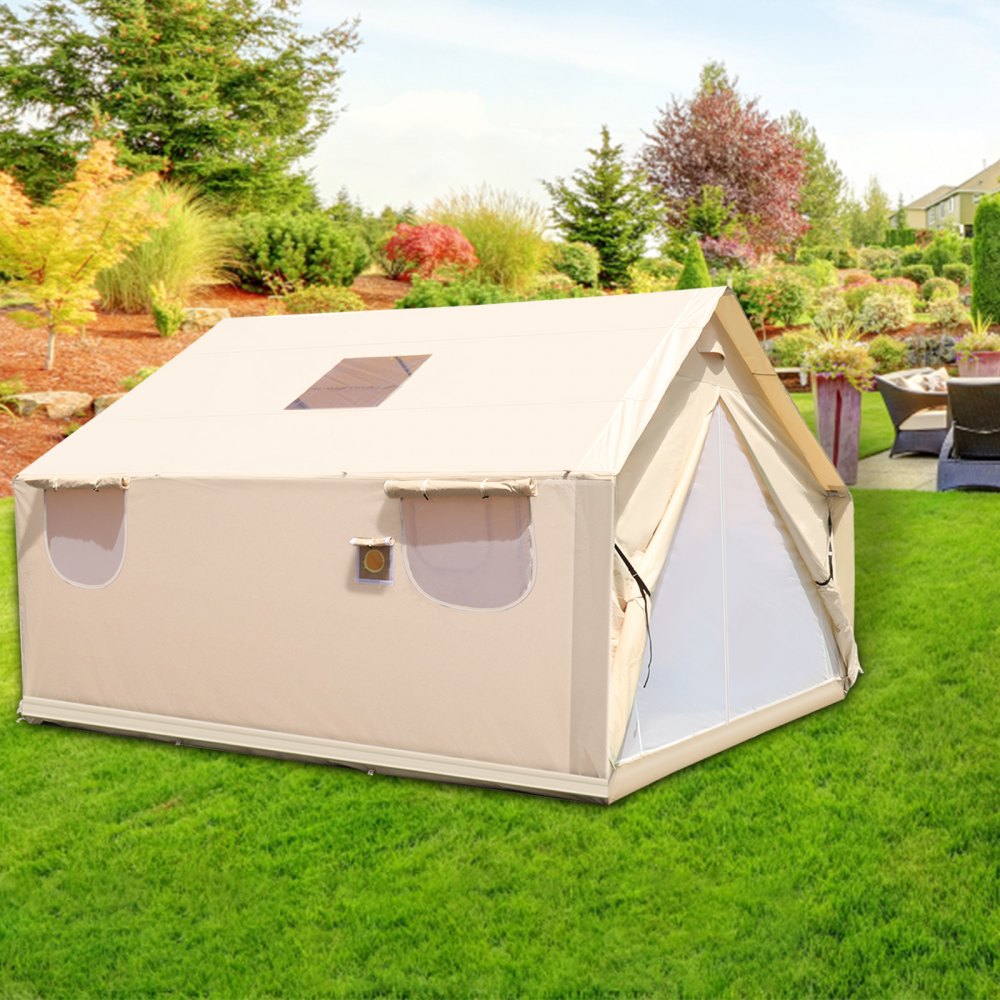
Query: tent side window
(467,552)
(85,534)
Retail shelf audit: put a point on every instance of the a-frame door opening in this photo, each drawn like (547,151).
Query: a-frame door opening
(735,621)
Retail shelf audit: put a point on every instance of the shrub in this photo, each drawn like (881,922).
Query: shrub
(918,273)
(855,295)
(900,237)
(832,311)
(888,353)
(425,250)
(375,230)
(946,309)
(281,253)
(986,258)
(845,257)
(938,287)
(885,309)
(505,230)
(945,248)
(193,247)
(788,349)
(968,249)
(958,272)
(914,255)
(131,381)
(775,295)
(662,272)
(641,281)
(167,310)
(929,352)
(557,286)
(11,387)
(878,258)
(854,277)
(695,273)
(806,255)
(322,299)
(580,262)
(819,273)
(467,292)
(904,284)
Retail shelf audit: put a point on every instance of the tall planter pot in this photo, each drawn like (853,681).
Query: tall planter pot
(838,422)
(979,364)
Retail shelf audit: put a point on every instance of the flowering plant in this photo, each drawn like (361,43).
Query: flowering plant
(839,352)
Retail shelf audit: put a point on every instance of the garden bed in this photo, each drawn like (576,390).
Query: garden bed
(113,348)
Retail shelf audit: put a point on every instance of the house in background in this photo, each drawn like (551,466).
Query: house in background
(916,212)
(953,207)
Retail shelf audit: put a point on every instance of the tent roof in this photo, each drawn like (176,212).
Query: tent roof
(531,388)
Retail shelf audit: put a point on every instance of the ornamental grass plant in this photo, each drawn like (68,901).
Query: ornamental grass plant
(505,230)
(193,247)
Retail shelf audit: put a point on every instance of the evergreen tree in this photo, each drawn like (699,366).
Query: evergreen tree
(695,273)
(986,259)
(606,205)
(868,220)
(223,95)
(821,199)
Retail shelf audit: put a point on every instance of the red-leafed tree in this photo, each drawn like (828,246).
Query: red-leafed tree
(718,139)
(423,250)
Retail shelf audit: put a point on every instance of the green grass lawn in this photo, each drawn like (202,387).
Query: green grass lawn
(876,428)
(852,853)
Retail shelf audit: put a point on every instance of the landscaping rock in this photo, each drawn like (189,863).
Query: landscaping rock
(202,318)
(54,405)
(103,402)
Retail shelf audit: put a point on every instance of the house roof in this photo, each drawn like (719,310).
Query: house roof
(985,182)
(931,198)
(530,388)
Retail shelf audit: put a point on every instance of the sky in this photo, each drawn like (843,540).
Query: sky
(447,95)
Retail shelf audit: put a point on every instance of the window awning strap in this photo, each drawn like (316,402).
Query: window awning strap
(400,489)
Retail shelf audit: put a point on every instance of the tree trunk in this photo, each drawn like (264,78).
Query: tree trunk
(50,355)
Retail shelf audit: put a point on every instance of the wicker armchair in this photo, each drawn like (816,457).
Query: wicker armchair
(919,418)
(970,454)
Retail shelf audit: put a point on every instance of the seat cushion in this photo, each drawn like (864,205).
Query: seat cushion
(926,420)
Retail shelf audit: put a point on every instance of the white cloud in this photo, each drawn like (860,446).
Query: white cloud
(419,145)
(459,111)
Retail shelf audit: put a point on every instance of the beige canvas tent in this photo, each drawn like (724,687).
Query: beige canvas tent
(567,547)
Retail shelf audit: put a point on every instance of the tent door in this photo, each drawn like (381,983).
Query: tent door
(735,622)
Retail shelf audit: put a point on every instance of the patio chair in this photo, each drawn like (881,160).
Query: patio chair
(919,417)
(970,455)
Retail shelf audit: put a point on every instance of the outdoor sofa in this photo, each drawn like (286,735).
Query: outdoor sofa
(917,402)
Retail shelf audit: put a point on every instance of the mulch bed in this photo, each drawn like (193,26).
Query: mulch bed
(116,346)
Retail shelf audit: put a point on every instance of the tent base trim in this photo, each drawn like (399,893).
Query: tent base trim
(631,775)
(404,763)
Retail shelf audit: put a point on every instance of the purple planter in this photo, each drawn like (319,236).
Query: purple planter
(979,364)
(838,422)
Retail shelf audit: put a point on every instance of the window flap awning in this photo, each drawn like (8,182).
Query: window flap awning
(400,489)
(68,483)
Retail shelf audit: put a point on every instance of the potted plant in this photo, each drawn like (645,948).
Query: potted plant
(840,367)
(978,350)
